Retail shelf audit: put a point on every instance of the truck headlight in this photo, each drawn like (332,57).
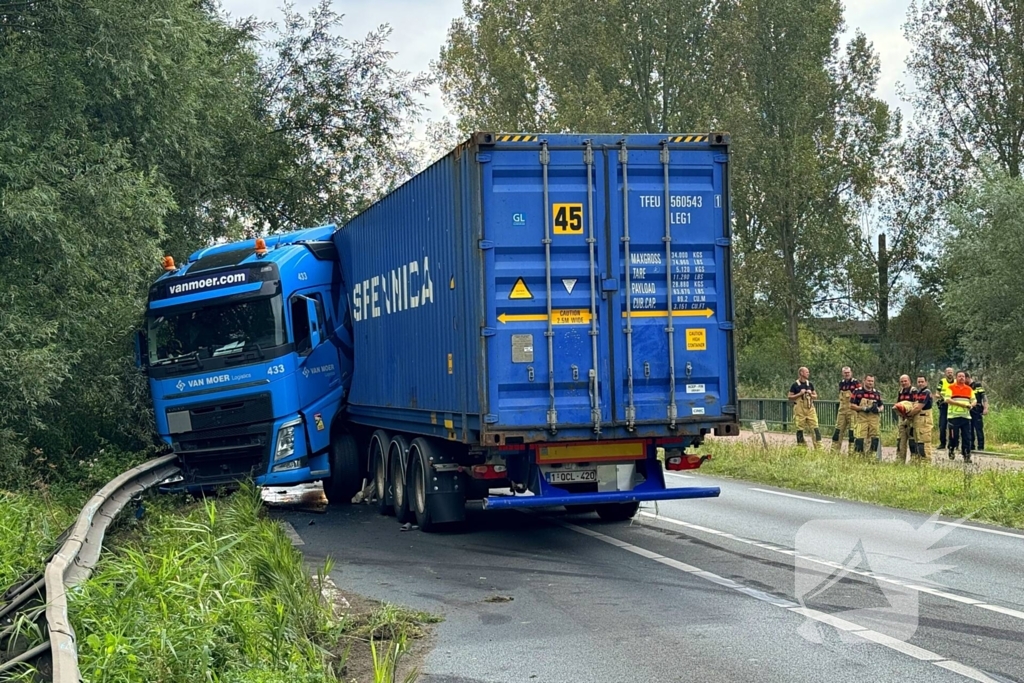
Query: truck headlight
(286,439)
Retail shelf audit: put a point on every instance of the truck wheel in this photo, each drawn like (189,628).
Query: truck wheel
(418,454)
(378,460)
(617,512)
(398,455)
(346,472)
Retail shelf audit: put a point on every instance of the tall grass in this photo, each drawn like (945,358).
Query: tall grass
(1004,425)
(990,495)
(29,526)
(217,594)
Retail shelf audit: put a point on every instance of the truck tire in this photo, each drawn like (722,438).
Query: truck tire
(378,459)
(398,455)
(617,512)
(419,454)
(346,471)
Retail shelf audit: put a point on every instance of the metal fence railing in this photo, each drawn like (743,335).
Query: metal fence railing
(778,413)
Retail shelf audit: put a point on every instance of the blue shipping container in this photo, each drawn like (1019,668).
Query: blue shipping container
(529,289)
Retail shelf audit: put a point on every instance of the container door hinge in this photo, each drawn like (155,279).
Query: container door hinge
(721,158)
(725,325)
(723,242)
(486,244)
(490,418)
(488,331)
(483,158)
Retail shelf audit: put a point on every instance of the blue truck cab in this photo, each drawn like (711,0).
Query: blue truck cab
(249,364)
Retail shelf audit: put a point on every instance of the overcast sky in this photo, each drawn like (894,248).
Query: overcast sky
(421,26)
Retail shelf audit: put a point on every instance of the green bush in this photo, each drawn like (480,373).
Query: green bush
(763,373)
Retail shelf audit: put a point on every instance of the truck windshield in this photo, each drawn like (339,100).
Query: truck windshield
(216,331)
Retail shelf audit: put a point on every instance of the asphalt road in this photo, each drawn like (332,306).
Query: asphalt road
(757,585)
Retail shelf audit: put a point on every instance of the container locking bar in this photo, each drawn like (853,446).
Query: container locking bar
(545,159)
(595,394)
(672,410)
(630,407)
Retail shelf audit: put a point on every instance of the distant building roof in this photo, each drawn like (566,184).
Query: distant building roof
(865,330)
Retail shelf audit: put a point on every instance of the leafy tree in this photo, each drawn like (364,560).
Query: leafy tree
(917,183)
(809,139)
(127,128)
(556,65)
(808,129)
(984,293)
(920,337)
(967,65)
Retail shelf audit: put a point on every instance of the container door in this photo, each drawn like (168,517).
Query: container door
(669,234)
(545,243)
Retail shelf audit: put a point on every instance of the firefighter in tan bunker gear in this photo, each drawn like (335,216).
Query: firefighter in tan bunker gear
(846,417)
(802,394)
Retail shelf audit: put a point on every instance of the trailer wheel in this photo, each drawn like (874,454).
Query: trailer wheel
(379,443)
(617,512)
(346,472)
(418,454)
(398,456)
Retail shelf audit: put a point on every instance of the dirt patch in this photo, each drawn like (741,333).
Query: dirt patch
(387,627)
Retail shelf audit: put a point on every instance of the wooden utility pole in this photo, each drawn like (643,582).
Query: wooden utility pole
(883,295)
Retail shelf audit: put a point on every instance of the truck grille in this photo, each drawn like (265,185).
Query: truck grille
(223,442)
(212,415)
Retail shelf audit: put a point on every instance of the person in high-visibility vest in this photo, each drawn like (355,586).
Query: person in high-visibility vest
(802,394)
(948,379)
(978,412)
(846,417)
(923,419)
(960,398)
(868,404)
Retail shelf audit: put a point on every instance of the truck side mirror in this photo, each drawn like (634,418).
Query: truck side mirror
(315,333)
(141,350)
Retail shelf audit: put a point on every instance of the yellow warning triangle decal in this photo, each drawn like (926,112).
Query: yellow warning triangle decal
(520,290)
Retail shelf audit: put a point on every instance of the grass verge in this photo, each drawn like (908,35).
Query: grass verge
(210,590)
(995,496)
(215,592)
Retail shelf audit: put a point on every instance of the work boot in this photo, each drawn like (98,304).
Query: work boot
(800,438)
(858,446)
(952,453)
(817,438)
(835,440)
(874,445)
(851,439)
(920,451)
(967,458)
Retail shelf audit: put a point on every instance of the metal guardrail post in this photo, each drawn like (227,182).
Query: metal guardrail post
(74,562)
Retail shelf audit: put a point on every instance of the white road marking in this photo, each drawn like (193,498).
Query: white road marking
(978,528)
(793,495)
(870,635)
(835,565)
(292,534)
(681,476)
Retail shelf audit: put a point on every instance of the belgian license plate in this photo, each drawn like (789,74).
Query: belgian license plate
(572,476)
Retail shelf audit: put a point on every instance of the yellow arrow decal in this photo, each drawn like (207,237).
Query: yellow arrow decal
(564,316)
(702,313)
